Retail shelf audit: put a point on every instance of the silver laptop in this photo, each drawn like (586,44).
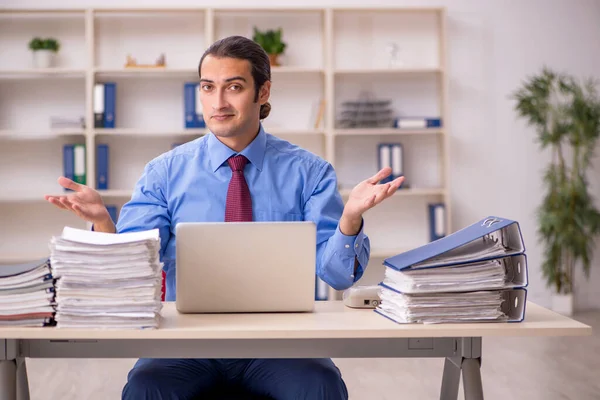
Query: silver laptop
(245,266)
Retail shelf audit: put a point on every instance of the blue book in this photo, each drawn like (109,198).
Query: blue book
(110,102)
(437,221)
(102,166)
(69,162)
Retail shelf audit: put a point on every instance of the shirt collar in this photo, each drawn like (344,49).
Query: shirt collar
(254,152)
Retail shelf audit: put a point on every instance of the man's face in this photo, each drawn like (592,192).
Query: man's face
(227,95)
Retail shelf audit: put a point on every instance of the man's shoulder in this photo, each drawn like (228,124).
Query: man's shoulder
(180,153)
(293,152)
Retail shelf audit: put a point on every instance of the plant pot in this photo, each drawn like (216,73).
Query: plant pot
(274,59)
(43,58)
(562,303)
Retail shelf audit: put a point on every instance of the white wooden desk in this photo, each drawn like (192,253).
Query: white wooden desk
(331,331)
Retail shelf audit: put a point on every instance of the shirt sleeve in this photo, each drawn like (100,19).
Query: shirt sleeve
(147,208)
(337,253)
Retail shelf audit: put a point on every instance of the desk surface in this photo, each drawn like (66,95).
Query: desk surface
(330,320)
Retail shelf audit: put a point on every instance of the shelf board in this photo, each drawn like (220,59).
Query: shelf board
(398,71)
(40,73)
(406,192)
(39,135)
(289,69)
(387,131)
(149,132)
(116,193)
(166,72)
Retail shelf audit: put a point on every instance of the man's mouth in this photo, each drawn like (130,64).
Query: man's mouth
(222,117)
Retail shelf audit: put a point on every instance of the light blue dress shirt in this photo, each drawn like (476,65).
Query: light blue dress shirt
(286,182)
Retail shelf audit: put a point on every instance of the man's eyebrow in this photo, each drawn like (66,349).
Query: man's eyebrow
(235,78)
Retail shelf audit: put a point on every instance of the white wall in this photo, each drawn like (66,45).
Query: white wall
(493,45)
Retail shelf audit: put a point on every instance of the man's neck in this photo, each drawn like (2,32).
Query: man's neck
(240,142)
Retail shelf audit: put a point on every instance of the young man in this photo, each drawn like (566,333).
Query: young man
(238,172)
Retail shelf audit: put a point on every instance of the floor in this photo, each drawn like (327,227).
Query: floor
(513,368)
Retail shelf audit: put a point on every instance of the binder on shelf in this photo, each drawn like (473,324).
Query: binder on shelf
(110,100)
(99,105)
(391,155)
(321,289)
(192,106)
(79,164)
(68,163)
(112,211)
(385,159)
(102,166)
(437,221)
(418,123)
(489,238)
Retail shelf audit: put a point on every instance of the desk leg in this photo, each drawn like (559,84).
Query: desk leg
(22,382)
(8,380)
(472,385)
(451,378)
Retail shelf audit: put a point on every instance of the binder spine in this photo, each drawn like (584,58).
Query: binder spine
(189,98)
(102,167)
(69,162)
(79,164)
(99,105)
(110,94)
(385,159)
(199,114)
(437,221)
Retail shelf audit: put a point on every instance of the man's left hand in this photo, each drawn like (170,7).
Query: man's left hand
(364,196)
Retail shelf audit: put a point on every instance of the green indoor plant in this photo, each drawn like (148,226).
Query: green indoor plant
(270,40)
(566,115)
(44,51)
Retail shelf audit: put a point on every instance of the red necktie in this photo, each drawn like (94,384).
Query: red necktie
(239,203)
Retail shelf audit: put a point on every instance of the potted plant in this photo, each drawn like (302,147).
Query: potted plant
(270,41)
(44,51)
(566,115)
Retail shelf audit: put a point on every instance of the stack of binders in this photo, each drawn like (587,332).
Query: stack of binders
(107,280)
(477,274)
(27,294)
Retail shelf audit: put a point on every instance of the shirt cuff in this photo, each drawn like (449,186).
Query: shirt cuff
(349,245)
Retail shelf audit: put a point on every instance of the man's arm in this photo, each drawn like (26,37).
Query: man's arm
(342,247)
(147,208)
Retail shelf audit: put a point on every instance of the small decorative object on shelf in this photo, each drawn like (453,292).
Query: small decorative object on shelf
(366,112)
(394,61)
(270,41)
(161,62)
(44,51)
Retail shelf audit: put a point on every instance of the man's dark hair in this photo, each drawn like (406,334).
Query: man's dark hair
(243,48)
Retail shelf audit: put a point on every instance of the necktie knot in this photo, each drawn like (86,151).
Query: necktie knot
(237,163)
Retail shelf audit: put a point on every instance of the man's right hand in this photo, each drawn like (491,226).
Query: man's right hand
(86,203)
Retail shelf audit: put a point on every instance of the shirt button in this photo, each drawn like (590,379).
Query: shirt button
(356,245)
(347,246)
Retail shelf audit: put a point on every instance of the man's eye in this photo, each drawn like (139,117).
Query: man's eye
(205,87)
(235,87)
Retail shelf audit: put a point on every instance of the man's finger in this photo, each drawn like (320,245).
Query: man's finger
(56,202)
(395,184)
(65,202)
(69,184)
(383,173)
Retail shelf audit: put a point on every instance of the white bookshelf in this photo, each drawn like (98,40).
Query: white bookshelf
(333,55)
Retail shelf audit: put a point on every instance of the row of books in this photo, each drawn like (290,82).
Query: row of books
(105,103)
(477,274)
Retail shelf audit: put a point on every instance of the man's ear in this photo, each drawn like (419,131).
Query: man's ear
(264,92)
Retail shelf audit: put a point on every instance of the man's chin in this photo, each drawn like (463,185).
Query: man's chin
(221,129)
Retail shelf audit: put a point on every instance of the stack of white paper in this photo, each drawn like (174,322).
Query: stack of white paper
(107,280)
(442,307)
(27,294)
